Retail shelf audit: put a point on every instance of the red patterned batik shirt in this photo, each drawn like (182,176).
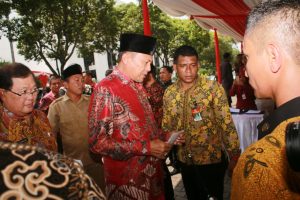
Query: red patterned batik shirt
(155,96)
(121,127)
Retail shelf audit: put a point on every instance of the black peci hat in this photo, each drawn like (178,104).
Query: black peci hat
(137,43)
(71,70)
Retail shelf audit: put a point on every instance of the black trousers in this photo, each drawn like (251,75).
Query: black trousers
(173,158)
(168,187)
(201,181)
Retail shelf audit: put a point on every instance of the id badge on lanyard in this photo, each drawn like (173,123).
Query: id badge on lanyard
(196,112)
(244,96)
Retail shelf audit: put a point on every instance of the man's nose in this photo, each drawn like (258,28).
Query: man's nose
(188,68)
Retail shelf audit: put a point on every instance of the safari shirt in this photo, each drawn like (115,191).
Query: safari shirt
(71,120)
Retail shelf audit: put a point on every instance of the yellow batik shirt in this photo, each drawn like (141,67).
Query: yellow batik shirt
(203,113)
(262,171)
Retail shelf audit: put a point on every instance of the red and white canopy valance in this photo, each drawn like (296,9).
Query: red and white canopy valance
(227,16)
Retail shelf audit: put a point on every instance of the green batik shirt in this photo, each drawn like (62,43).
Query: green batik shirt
(203,113)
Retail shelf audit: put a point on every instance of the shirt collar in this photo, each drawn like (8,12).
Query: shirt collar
(65,97)
(125,79)
(83,97)
(51,94)
(286,111)
(169,82)
(196,82)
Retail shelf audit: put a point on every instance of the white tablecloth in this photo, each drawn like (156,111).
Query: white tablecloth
(246,126)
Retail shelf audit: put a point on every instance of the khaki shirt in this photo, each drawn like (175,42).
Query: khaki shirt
(71,120)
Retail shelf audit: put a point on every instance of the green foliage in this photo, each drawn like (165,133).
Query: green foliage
(170,32)
(130,18)
(5,8)
(163,30)
(51,29)
(207,55)
(101,30)
(54,29)
(189,33)
(7,25)
(3,62)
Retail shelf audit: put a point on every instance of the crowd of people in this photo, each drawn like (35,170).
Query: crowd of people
(110,140)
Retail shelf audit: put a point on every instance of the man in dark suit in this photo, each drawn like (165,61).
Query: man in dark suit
(227,78)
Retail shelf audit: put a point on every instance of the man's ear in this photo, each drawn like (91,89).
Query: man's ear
(274,57)
(125,57)
(65,84)
(1,92)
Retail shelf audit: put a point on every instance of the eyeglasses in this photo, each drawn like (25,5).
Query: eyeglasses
(25,92)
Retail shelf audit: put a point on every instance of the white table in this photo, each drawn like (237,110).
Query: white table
(246,126)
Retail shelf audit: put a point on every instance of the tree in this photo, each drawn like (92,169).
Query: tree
(5,10)
(53,29)
(2,62)
(101,30)
(163,30)
(130,18)
(207,56)
(7,25)
(189,33)
(170,32)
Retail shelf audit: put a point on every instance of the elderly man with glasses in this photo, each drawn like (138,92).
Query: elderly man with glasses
(19,121)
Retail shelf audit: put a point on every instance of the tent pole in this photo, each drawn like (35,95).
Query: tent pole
(217,53)
(147,28)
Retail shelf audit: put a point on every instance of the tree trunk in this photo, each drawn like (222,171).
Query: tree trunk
(12,51)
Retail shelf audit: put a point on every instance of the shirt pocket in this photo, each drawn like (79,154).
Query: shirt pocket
(67,120)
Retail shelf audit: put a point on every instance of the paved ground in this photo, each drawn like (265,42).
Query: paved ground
(180,193)
(178,187)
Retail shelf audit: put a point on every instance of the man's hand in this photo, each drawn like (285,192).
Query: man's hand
(179,140)
(159,148)
(232,164)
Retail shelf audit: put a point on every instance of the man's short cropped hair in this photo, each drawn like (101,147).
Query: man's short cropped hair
(168,68)
(184,50)
(53,77)
(13,70)
(281,19)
